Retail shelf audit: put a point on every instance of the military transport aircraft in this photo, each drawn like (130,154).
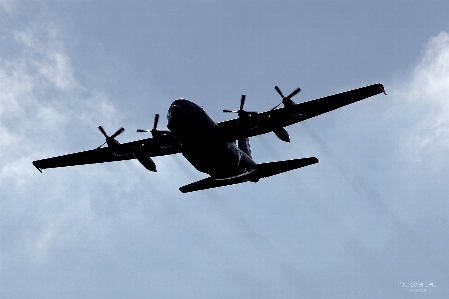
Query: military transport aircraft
(221,150)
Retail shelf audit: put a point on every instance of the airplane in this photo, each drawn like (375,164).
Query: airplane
(221,150)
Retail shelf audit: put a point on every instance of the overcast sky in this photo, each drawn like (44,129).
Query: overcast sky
(369,221)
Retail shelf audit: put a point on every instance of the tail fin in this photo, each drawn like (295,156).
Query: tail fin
(264,170)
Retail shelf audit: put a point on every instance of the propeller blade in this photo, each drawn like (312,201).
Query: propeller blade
(119,131)
(276,106)
(154,130)
(101,145)
(103,131)
(279,91)
(294,93)
(241,113)
(242,101)
(156,120)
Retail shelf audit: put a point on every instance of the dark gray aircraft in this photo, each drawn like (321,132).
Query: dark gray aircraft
(221,149)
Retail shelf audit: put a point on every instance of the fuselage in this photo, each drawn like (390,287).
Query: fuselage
(203,143)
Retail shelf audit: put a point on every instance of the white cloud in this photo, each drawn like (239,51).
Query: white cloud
(40,102)
(40,94)
(425,100)
(45,53)
(57,70)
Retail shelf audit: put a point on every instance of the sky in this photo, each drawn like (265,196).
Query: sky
(369,221)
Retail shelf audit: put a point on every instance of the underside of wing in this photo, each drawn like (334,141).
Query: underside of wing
(101,155)
(265,122)
(87,157)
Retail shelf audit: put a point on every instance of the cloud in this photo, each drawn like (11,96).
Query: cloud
(425,101)
(384,170)
(40,103)
(40,96)
(7,5)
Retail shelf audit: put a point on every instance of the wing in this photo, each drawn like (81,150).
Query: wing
(169,147)
(262,123)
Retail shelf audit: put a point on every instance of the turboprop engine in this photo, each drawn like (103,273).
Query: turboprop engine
(157,141)
(287,101)
(113,145)
(146,161)
(245,117)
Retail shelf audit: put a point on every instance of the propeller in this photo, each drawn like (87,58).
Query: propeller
(155,133)
(287,100)
(243,114)
(119,131)
(110,140)
(295,92)
(154,130)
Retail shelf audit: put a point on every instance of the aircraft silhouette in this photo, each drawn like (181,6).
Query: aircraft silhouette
(221,150)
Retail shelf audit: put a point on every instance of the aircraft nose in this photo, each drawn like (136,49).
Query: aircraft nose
(175,112)
(176,107)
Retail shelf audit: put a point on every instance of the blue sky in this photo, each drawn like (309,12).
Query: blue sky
(367,221)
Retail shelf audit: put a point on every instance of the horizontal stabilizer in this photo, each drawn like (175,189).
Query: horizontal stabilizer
(208,183)
(264,170)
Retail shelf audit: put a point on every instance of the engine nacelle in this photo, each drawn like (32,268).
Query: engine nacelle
(291,106)
(114,146)
(146,161)
(280,132)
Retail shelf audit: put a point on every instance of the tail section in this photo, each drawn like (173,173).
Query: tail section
(264,170)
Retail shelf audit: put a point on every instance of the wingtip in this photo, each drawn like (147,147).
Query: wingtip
(184,189)
(382,88)
(313,160)
(34,163)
